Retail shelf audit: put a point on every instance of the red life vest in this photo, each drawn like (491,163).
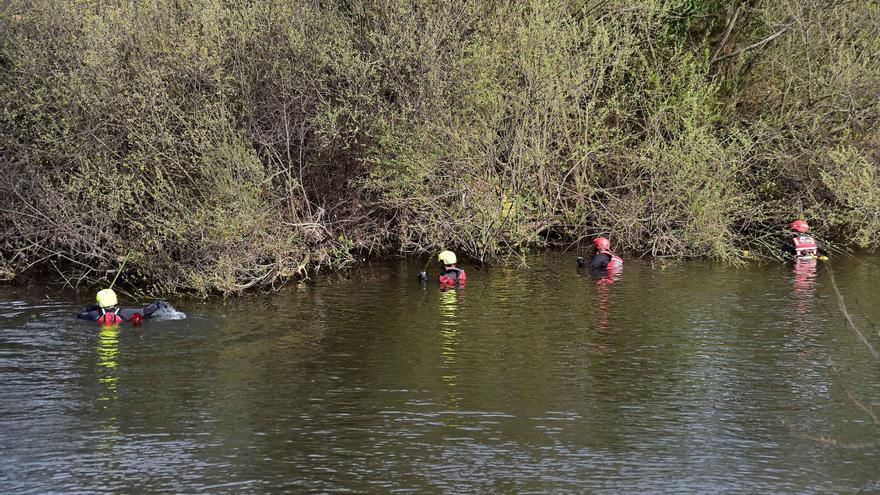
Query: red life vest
(447,281)
(110,318)
(616,262)
(804,246)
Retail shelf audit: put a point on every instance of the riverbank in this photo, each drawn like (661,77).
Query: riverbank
(226,148)
(135,288)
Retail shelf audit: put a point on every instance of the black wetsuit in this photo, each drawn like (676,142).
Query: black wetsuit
(93,311)
(597,268)
(600,261)
(452,276)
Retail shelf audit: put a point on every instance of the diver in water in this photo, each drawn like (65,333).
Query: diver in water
(603,261)
(106,311)
(800,245)
(450,275)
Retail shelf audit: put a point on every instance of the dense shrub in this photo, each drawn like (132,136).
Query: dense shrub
(224,145)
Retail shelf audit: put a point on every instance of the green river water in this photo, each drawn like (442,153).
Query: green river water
(677,378)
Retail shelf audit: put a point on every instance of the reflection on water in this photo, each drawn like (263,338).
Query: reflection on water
(603,280)
(108,350)
(806,319)
(684,378)
(108,377)
(804,279)
(449,326)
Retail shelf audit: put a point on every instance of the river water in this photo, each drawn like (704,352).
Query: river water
(674,378)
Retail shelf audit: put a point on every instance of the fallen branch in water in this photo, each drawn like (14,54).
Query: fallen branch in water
(848,317)
(829,440)
(826,440)
(852,396)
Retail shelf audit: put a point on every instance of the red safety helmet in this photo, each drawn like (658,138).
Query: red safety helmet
(601,243)
(799,226)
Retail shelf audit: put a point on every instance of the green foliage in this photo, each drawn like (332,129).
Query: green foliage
(853,179)
(227,145)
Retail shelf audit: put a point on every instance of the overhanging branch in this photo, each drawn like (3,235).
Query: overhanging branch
(759,44)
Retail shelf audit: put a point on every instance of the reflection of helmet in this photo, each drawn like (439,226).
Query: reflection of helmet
(447,257)
(106,298)
(601,243)
(799,226)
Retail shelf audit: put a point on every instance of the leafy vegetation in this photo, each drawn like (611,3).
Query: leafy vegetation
(222,145)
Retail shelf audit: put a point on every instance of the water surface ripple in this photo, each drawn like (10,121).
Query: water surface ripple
(675,378)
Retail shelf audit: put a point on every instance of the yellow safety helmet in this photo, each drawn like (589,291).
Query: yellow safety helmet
(447,257)
(106,298)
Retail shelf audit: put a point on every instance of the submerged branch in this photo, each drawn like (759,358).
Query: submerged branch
(848,317)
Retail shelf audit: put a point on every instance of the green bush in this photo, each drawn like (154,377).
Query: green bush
(226,145)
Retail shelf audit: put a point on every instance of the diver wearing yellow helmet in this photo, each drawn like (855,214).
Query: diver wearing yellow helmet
(450,275)
(107,311)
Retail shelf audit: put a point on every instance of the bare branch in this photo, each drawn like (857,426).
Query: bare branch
(759,44)
(727,31)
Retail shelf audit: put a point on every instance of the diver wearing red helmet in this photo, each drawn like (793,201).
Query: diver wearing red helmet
(801,245)
(604,259)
